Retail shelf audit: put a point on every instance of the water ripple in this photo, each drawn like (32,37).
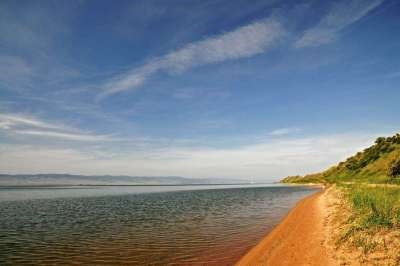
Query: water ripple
(213,227)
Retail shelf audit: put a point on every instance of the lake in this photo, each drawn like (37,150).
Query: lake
(139,225)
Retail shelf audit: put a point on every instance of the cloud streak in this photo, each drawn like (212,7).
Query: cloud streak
(243,42)
(284,131)
(63,135)
(341,15)
(30,126)
(8,121)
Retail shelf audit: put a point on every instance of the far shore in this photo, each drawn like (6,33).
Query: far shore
(129,185)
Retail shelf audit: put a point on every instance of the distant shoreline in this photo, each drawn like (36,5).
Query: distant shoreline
(133,185)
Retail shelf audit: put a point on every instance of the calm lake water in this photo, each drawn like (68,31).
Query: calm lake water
(146,225)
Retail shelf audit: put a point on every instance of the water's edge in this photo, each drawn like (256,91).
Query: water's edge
(161,225)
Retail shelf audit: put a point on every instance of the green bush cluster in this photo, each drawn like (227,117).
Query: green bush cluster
(394,168)
(382,146)
(372,165)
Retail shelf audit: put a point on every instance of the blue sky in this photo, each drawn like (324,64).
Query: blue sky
(195,88)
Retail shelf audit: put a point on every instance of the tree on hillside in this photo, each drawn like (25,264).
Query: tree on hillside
(394,168)
(380,140)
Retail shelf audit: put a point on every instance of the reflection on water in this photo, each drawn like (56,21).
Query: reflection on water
(176,226)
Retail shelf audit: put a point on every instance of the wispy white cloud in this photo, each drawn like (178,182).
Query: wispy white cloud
(16,120)
(284,131)
(243,42)
(31,126)
(341,15)
(63,135)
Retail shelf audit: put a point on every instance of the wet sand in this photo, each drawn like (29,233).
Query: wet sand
(300,239)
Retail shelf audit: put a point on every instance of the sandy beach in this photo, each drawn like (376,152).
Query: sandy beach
(300,239)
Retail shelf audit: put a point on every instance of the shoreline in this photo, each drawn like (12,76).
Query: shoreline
(299,239)
(130,185)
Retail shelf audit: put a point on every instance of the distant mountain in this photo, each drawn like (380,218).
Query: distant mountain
(379,163)
(66,179)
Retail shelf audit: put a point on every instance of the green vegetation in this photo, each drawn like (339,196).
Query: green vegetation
(375,213)
(394,169)
(376,206)
(370,181)
(379,163)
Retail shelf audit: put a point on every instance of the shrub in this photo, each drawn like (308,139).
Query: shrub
(394,168)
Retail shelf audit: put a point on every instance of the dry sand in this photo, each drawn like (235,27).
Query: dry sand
(300,239)
(310,232)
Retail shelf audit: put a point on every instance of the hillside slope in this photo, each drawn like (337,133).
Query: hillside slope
(379,163)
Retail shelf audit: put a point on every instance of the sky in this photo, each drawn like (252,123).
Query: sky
(225,88)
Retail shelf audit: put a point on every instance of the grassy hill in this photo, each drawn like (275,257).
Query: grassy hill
(365,183)
(379,163)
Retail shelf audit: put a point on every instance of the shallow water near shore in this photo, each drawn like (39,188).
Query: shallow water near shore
(155,225)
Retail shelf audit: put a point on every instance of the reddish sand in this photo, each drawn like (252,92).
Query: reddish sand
(298,240)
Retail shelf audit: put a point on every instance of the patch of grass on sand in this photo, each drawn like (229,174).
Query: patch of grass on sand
(376,206)
(374,213)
